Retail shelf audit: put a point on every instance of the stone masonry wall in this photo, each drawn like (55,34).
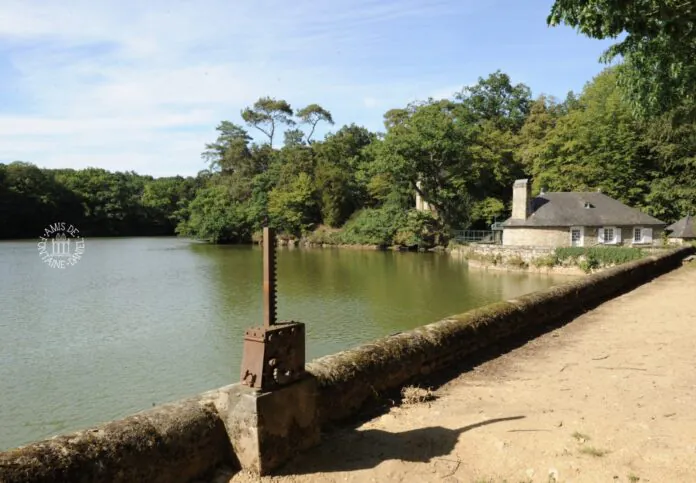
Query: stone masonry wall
(504,253)
(176,442)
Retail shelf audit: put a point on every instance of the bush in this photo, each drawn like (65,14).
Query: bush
(548,261)
(324,236)
(421,228)
(373,226)
(516,261)
(595,257)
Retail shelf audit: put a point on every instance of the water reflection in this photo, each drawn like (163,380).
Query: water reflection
(147,320)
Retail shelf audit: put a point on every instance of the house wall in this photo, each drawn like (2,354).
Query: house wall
(536,237)
(560,237)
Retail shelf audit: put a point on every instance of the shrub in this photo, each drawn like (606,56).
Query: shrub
(517,262)
(548,261)
(324,236)
(373,226)
(596,257)
(421,228)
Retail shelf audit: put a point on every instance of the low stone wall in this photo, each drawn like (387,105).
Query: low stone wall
(177,442)
(349,380)
(504,253)
(234,426)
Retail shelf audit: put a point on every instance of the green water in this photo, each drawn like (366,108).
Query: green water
(142,321)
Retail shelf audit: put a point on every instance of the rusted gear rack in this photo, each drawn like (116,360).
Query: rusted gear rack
(274,354)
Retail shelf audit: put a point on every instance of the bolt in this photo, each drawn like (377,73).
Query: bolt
(272,362)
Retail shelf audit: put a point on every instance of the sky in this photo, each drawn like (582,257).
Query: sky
(134,85)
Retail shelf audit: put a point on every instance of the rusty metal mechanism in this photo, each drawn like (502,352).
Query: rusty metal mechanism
(274,354)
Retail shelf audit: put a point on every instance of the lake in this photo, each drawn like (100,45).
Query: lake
(143,321)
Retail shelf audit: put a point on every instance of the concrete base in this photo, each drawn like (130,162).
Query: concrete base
(266,429)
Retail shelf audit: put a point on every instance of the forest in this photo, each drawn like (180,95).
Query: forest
(630,133)
(461,154)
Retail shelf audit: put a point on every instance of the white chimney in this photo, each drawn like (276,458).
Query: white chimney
(521,199)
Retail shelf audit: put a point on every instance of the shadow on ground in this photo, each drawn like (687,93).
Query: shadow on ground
(353,449)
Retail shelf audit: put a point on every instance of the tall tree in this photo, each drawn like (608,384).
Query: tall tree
(659,70)
(542,118)
(496,99)
(293,137)
(266,114)
(597,145)
(230,151)
(428,151)
(673,190)
(312,115)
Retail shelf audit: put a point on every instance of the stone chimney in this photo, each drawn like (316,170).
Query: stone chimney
(521,199)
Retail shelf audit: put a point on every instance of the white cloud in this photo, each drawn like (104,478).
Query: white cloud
(370,102)
(142,85)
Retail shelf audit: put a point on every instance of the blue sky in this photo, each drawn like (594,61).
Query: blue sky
(141,85)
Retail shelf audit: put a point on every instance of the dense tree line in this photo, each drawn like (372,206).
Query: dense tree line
(629,133)
(96,201)
(460,154)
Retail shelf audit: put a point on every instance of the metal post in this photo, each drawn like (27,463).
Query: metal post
(274,354)
(269,278)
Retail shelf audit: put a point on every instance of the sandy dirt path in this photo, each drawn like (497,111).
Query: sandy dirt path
(610,397)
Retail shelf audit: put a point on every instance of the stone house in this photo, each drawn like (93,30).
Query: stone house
(683,231)
(576,219)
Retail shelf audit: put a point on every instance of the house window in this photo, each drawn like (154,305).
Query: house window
(576,236)
(637,235)
(609,235)
(642,235)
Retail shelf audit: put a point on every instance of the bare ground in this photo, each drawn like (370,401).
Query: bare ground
(610,397)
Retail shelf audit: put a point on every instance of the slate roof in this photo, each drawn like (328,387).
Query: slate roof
(568,209)
(684,228)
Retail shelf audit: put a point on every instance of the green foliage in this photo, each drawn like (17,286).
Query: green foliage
(373,226)
(324,236)
(267,114)
(590,258)
(598,145)
(96,201)
(495,99)
(659,71)
(488,209)
(548,261)
(312,115)
(421,229)
(290,208)
(460,155)
(517,262)
(229,153)
(214,216)
(429,150)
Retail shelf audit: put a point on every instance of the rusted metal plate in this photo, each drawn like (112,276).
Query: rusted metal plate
(274,356)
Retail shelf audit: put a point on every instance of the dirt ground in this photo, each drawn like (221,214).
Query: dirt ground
(610,397)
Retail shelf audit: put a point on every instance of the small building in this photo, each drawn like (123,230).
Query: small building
(683,231)
(575,219)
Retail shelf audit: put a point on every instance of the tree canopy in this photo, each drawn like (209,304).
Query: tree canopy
(658,45)
(461,155)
